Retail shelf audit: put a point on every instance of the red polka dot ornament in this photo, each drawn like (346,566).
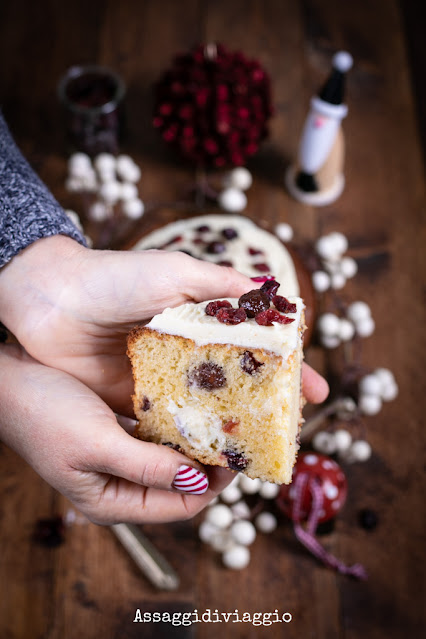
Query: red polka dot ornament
(317,493)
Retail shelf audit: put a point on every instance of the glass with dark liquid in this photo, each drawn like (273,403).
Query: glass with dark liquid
(93,99)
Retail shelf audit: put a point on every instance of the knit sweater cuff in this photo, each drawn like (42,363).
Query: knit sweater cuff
(28,211)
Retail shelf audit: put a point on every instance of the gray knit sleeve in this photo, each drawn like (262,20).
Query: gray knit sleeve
(28,211)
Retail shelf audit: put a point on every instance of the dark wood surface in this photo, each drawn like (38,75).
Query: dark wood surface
(88,587)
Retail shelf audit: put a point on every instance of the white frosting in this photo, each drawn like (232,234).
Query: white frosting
(249,236)
(190,321)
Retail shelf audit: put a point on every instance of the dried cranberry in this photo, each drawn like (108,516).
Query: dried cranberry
(225,263)
(146,404)
(213,307)
(207,375)
(249,363)
(236,461)
(262,278)
(230,425)
(198,240)
(253,251)
(266,318)
(215,248)
(173,446)
(254,302)
(262,267)
(229,234)
(176,238)
(203,228)
(231,316)
(270,287)
(282,304)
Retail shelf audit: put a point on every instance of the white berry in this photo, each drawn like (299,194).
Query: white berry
(89,181)
(390,393)
(268,490)
(240,178)
(73,216)
(127,169)
(219,515)
(370,385)
(206,531)
(110,192)
(99,212)
(385,376)
(231,494)
(321,281)
(124,161)
(348,267)
(324,443)
(365,327)
(128,191)
(343,439)
(330,341)
(284,232)
(340,242)
(265,522)
(326,249)
(237,557)
(240,510)
(221,540)
(243,532)
(79,160)
(133,209)
(329,324)
(338,281)
(346,330)
(107,176)
(73,185)
(358,311)
(232,200)
(360,450)
(370,404)
(249,486)
(104,162)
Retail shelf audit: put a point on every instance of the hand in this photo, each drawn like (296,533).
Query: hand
(72,439)
(71,308)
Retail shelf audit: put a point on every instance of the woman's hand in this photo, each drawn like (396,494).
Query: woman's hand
(71,308)
(72,439)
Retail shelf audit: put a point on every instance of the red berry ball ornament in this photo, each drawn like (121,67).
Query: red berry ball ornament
(316,494)
(313,471)
(213,105)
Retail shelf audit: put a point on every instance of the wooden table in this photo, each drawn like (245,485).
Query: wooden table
(88,587)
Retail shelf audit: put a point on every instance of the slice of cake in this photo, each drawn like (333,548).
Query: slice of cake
(221,381)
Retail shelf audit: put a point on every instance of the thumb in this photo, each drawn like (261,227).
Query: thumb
(204,280)
(150,465)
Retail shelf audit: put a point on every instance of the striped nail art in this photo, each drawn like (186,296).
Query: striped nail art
(190,480)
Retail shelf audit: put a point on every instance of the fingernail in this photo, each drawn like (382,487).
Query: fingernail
(190,480)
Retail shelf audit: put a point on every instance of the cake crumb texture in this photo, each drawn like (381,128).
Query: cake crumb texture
(220,404)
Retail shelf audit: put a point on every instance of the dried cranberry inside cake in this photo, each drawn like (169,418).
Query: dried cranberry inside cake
(249,363)
(236,460)
(207,376)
